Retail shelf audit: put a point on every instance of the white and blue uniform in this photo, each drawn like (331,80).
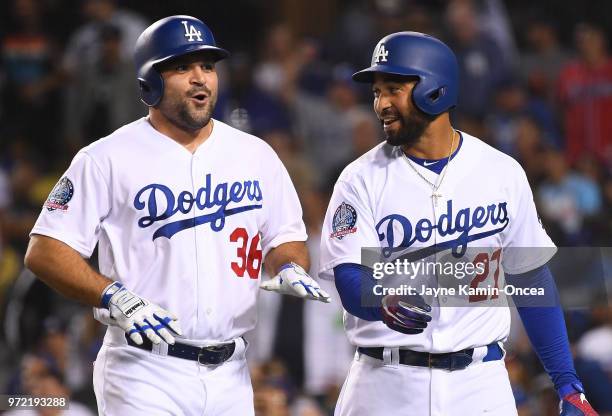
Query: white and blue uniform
(484,204)
(187,231)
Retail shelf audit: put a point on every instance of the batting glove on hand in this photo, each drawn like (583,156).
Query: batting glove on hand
(137,316)
(293,280)
(405,313)
(575,403)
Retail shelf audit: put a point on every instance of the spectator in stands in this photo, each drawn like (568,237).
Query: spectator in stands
(530,149)
(519,380)
(543,59)
(567,197)
(103,96)
(365,135)
(481,61)
(512,103)
(593,357)
(585,94)
(85,46)
(281,56)
(325,123)
(596,343)
(600,228)
(248,106)
(39,381)
(272,389)
(21,214)
(28,53)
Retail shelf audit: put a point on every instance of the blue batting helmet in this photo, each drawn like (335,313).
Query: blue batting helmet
(166,39)
(423,56)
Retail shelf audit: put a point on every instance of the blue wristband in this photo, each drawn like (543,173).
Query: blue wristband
(286,266)
(569,389)
(108,293)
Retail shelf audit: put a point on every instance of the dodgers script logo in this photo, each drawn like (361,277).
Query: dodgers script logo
(464,224)
(154,196)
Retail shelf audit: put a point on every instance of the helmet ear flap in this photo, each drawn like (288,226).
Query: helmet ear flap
(143,86)
(430,97)
(436,95)
(146,93)
(151,88)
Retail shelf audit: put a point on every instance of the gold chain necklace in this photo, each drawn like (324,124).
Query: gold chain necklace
(435,186)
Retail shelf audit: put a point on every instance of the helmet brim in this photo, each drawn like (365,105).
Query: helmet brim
(367,75)
(217,53)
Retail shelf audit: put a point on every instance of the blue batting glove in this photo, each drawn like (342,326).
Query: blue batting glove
(293,280)
(137,316)
(574,402)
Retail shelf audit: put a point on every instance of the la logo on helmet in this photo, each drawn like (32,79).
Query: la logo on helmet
(191,32)
(381,54)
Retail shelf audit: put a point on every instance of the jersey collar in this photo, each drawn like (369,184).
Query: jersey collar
(436,165)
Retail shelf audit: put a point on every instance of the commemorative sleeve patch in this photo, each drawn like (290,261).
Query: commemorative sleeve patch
(344,221)
(60,195)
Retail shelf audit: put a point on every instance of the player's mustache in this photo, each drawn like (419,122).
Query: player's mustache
(199,90)
(388,113)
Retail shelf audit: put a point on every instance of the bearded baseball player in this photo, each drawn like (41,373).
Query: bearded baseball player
(435,190)
(184,210)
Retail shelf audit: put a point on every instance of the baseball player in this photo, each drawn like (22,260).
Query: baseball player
(185,210)
(434,192)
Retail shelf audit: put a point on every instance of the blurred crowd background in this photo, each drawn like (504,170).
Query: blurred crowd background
(536,83)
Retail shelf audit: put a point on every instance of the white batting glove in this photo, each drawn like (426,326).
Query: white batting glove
(293,280)
(137,316)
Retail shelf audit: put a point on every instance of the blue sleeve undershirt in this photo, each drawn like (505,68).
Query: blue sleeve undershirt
(543,320)
(353,280)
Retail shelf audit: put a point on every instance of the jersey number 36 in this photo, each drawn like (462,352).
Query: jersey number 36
(249,261)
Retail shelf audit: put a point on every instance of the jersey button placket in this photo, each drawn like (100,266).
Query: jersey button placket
(197,182)
(438,210)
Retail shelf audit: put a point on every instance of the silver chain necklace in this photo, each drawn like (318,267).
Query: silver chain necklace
(435,186)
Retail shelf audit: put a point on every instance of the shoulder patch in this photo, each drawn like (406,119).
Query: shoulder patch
(60,195)
(344,221)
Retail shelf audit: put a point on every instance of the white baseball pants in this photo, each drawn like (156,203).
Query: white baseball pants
(131,381)
(382,388)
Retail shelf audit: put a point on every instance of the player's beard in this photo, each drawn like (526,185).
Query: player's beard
(412,127)
(183,113)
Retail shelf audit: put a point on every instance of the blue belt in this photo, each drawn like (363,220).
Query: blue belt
(212,355)
(450,361)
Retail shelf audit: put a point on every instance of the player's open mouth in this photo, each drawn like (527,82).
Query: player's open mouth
(388,122)
(199,98)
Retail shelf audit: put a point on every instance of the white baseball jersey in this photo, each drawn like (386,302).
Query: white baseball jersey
(380,201)
(186,231)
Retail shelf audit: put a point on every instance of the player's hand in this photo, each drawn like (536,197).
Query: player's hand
(576,404)
(138,317)
(407,314)
(293,280)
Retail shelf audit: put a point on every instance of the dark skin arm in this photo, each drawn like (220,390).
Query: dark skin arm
(294,251)
(63,269)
